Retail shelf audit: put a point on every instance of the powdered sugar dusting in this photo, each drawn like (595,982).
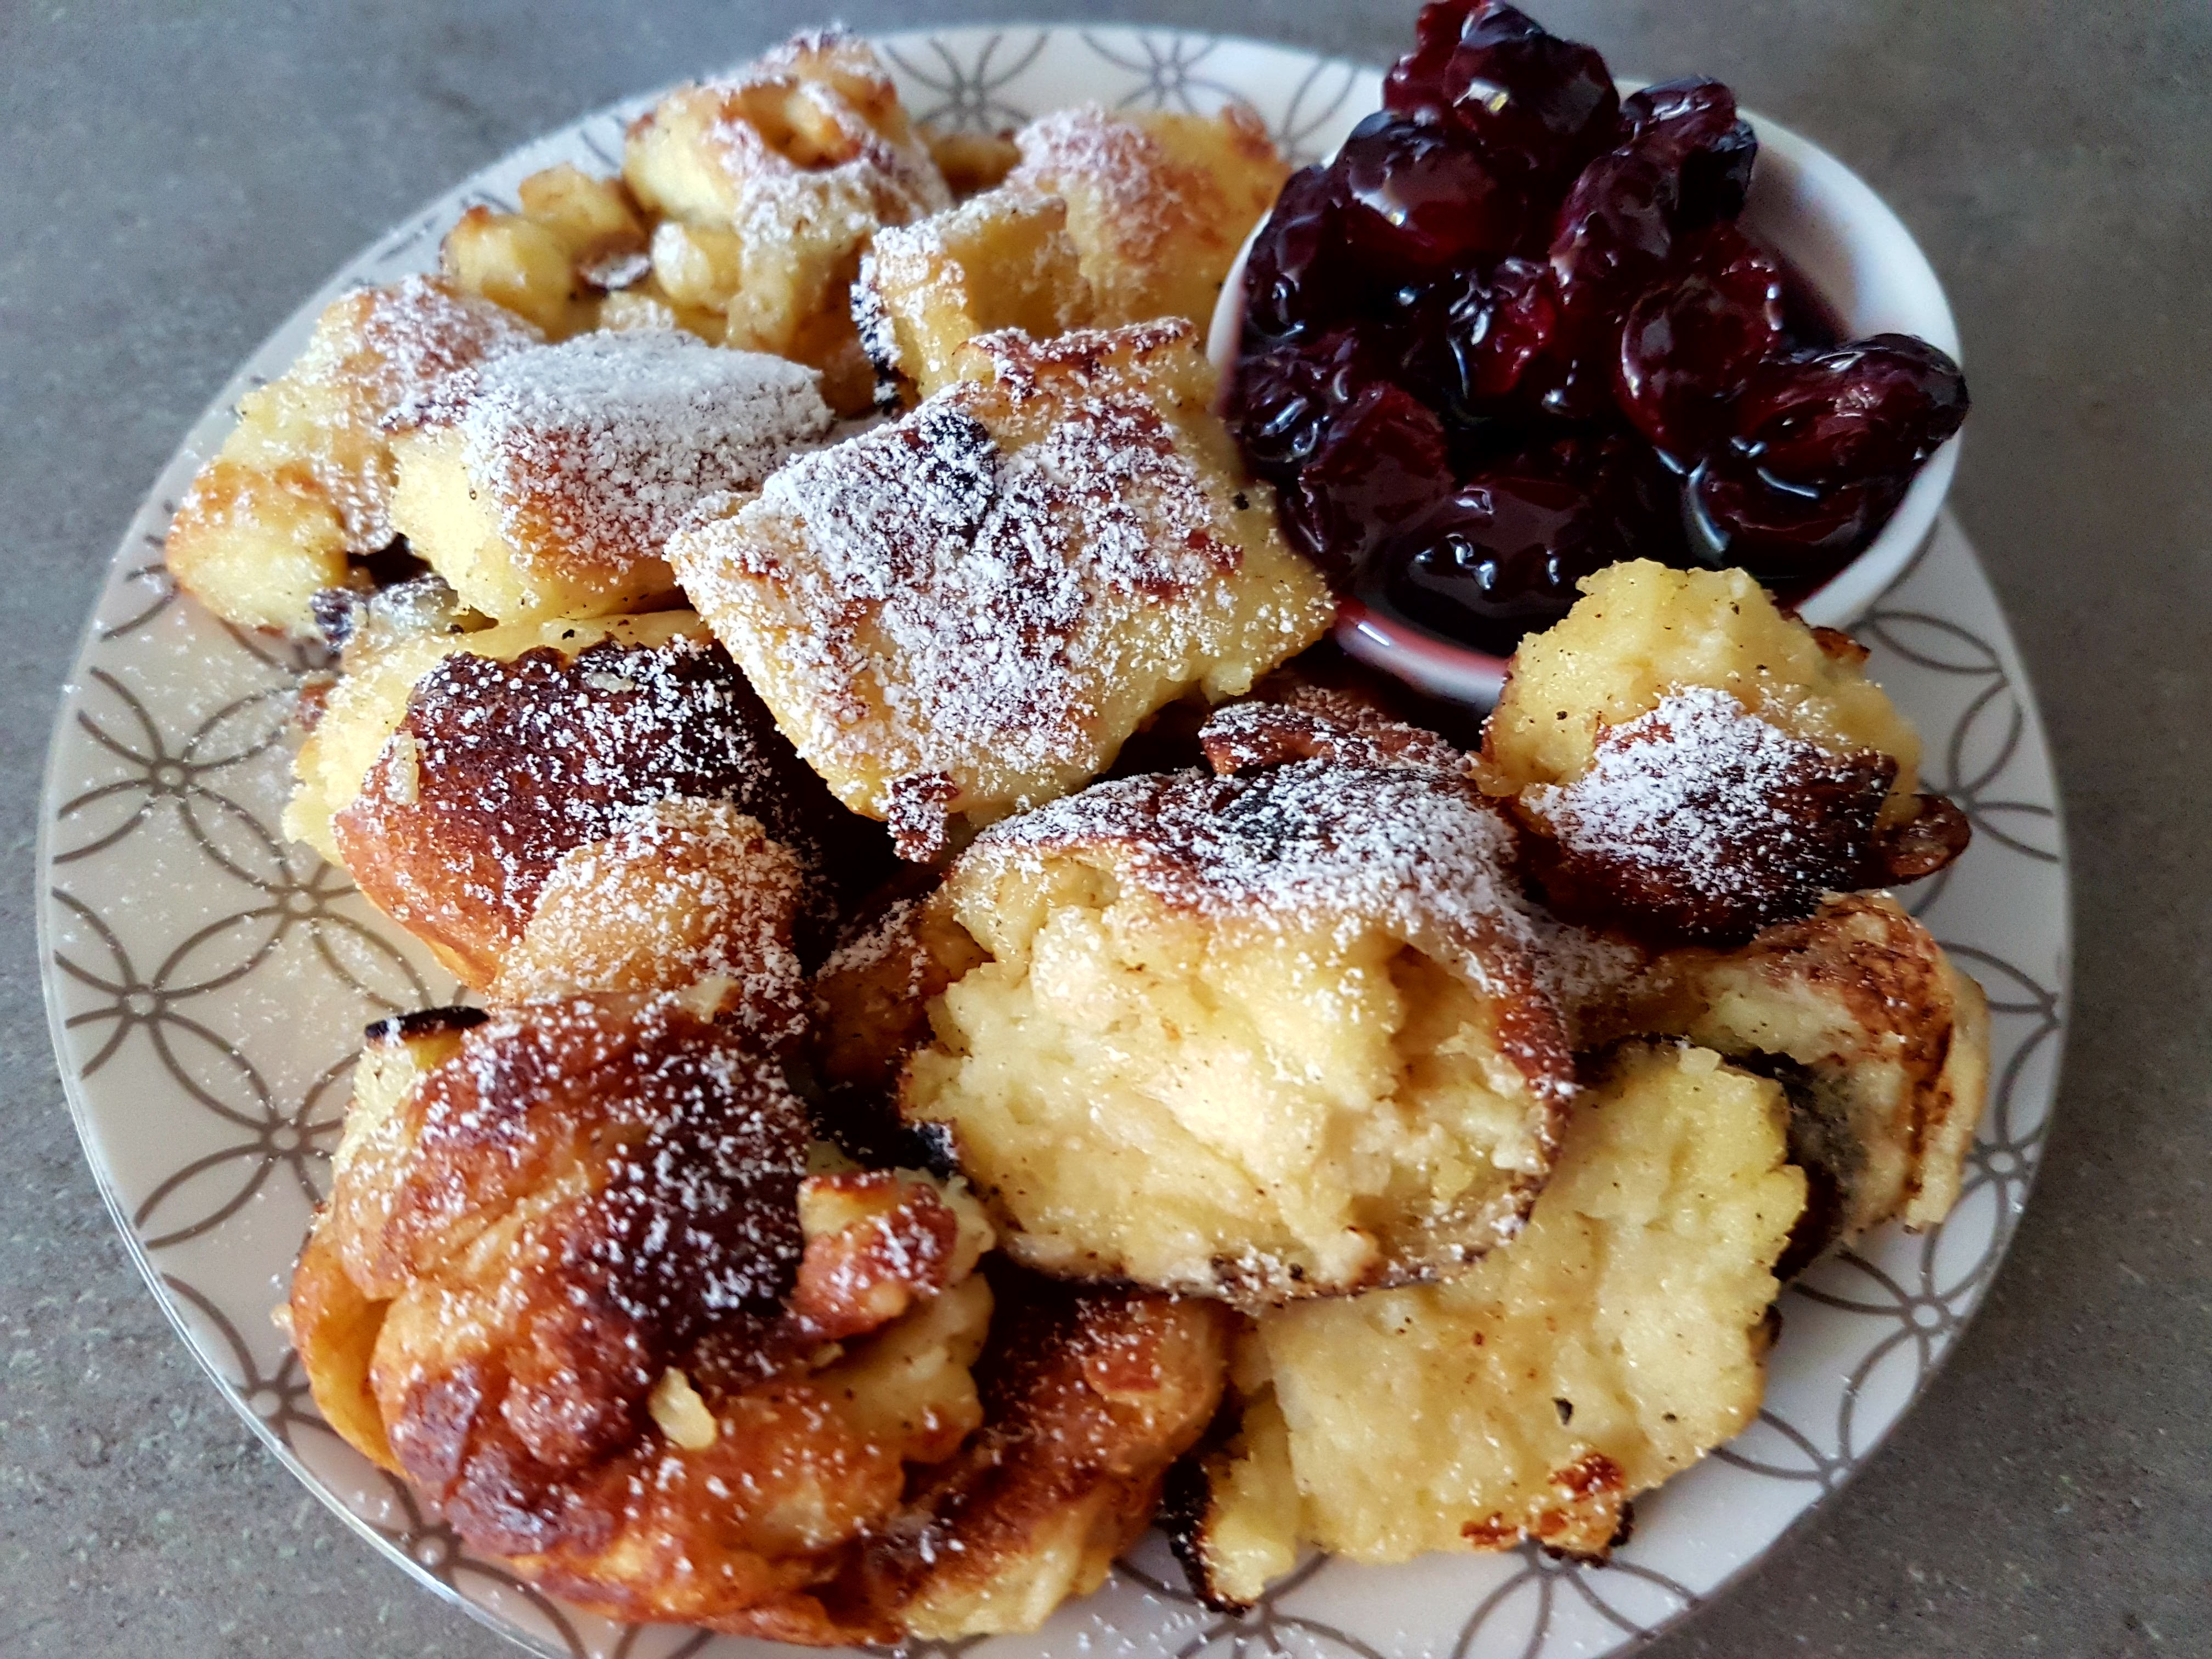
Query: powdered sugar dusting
(1698,795)
(599,446)
(418,331)
(685,893)
(1311,843)
(499,769)
(856,177)
(1140,190)
(958,609)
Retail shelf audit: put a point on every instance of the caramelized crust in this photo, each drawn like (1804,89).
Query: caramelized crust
(1000,260)
(614,1331)
(1699,821)
(1312,722)
(1089,1397)
(500,767)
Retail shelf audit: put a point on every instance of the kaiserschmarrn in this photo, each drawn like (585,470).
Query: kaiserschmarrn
(993,1033)
(966,613)
(1259,1036)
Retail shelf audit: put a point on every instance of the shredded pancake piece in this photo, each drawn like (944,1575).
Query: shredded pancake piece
(1698,765)
(1000,260)
(299,495)
(1159,202)
(575,1284)
(499,769)
(771,182)
(547,483)
(968,612)
(1705,822)
(1616,1341)
(1262,1037)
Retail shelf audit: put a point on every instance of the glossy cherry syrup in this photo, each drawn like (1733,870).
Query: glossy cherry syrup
(1513,333)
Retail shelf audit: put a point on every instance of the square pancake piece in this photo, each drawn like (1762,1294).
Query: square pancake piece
(969,611)
(1003,259)
(1158,201)
(546,484)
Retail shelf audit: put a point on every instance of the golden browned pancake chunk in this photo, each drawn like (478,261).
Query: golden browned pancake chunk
(510,797)
(1698,764)
(1615,1342)
(303,486)
(1258,1037)
(1000,260)
(575,1283)
(576,239)
(1881,1044)
(1313,722)
(547,483)
(969,612)
(972,162)
(771,182)
(1158,201)
(1090,1395)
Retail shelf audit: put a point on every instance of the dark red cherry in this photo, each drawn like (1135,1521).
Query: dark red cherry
(1417,200)
(1284,397)
(1500,556)
(1472,339)
(1533,100)
(1876,408)
(1611,241)
(1690,342)
(1295,280)
(1790,537)
(1691,127)
(1377,462)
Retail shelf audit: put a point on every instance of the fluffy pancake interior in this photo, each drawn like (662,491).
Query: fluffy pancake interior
(1194,1102)
(1611,1346)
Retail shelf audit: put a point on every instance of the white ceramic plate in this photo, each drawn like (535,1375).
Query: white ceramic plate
(208,984)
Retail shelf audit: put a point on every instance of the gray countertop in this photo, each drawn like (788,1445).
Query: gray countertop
(173,179)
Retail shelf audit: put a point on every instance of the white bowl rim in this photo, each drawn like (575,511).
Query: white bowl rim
(1917,304)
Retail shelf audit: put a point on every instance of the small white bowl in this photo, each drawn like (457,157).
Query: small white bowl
(1859,257)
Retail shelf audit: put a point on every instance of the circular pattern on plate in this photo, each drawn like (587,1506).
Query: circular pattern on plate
(207,983)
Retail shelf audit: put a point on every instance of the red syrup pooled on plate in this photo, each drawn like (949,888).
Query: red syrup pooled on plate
(1513,333)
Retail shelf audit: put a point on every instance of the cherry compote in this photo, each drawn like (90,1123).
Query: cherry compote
(1513,333)
(1501,554)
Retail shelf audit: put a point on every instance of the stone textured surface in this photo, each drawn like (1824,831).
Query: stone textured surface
(177,179)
